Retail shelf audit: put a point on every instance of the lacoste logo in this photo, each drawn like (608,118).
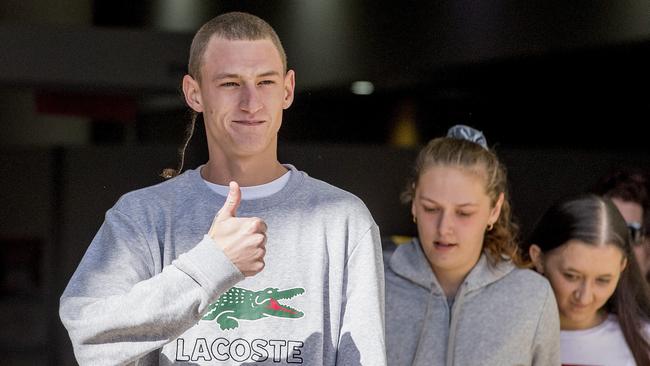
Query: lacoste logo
(242,304)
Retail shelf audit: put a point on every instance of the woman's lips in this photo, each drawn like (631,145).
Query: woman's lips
(443,246)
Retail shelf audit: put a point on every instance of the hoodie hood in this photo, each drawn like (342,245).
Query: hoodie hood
(409,262)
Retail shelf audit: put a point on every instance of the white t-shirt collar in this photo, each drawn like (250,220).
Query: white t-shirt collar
(254,192)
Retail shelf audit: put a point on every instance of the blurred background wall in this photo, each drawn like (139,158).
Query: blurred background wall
(90,108)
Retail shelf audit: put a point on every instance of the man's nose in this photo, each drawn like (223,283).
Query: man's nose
(250,99)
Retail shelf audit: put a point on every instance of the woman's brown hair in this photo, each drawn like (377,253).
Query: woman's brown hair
(596,221)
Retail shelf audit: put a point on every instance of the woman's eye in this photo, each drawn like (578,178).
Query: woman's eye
(604,281)
(431,209)
(570,276)
(465,214)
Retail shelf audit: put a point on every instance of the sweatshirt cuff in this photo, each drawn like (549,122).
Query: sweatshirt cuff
(209,266)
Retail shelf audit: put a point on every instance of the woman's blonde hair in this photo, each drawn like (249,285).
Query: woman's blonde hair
(499,243)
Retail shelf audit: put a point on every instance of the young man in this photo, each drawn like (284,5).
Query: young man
(288,271)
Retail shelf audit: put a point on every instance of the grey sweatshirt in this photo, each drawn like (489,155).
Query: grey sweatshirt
(500,316)
(152,289)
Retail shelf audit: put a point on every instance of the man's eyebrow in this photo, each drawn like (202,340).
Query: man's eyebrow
(269,73)
(237,76)
(225,76)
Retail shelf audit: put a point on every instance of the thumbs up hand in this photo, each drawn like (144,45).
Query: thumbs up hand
(242,239)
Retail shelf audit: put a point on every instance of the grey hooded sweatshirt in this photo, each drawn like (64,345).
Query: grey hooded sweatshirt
(501,315)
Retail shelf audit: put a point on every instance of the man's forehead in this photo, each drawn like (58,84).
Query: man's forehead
(217,41)
(233,50)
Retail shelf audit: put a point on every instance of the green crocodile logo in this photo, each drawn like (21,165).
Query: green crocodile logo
(243,304)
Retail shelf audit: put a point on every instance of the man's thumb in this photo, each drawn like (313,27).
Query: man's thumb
(231,205)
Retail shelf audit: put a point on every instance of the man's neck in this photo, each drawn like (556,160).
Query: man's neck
(246,172)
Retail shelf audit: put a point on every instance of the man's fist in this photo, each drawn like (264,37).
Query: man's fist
(242,239)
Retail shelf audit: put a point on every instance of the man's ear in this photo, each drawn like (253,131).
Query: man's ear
(289,87)
(537,257)
(192,93)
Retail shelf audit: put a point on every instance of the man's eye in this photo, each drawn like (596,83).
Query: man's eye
(229,84)
(267,82)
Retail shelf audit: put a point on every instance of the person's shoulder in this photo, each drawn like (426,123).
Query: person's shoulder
(322,187)
(529,276)
(321,191)
(528,282)
(525,292)
(401,253)
(159,194)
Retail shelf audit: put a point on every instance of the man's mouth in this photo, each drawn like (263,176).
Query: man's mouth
(249,122)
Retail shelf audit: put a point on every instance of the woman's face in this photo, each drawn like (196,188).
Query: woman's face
(583,278)
(453,211)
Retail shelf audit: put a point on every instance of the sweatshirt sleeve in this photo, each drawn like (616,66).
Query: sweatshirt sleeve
(117,310)
(361,340)
(546,345)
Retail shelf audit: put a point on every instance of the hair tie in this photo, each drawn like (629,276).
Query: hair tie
(468,133)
